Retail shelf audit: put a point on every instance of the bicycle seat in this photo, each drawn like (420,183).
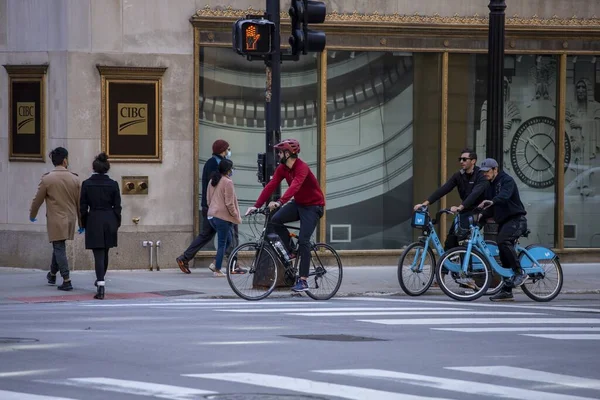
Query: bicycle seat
(526,233)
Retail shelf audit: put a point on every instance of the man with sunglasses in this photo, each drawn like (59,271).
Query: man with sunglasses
(307,206)
(471,185)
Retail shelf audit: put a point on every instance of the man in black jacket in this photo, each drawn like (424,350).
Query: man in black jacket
(221,150)
(471,186)
(504,204)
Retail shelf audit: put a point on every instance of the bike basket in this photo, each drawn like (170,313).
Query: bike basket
(420,219)
(462,226)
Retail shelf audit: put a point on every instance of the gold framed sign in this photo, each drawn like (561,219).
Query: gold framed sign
(26,112)
(132,113)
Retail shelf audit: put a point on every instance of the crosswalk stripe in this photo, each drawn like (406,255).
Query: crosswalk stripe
(311,387)
(521,329)
(468,321)
(39,346)
(312,309)
(12,374)
(532,375)
(455,385)
(446,302)
(240,342)
(374,313)
(7,395)
(567,336)
(133,387)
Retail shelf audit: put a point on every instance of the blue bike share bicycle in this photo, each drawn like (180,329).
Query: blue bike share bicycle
(474,262)
(416,267)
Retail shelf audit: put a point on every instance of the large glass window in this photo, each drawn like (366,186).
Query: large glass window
(232,107)
(529,137)
(582,177)
(377,164)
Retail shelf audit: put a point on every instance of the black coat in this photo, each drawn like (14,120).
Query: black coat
(471,188)
(100,207)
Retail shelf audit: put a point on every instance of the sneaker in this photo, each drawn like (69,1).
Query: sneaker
(66,286)
(218,273)
(467,283)
(212,267)
(519,279)
(51,278)
(502,296)
(300,286)
(239,270)
(183,265)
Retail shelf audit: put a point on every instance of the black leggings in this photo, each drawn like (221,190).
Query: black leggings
(101,262)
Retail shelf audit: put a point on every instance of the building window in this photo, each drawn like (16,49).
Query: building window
(232,107)
(371,145)
(582,176)
(529,136)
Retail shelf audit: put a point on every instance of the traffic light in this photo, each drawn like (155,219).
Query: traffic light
(302,13)
(253,36)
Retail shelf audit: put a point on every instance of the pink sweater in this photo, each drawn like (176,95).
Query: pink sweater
(222,201)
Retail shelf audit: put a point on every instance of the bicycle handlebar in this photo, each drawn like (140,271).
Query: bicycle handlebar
(439,214)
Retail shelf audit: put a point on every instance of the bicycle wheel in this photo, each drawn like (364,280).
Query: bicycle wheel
(464,285)
(547,287)
(250,278)
(496,280)
(415,270)
(325,276)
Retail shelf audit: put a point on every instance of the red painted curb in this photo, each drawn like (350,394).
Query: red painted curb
(83,297)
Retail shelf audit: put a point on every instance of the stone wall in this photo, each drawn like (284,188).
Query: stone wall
(73,37)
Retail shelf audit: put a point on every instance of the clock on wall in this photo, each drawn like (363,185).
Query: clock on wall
(533,152)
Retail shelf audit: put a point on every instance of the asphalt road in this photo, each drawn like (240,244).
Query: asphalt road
(386,347)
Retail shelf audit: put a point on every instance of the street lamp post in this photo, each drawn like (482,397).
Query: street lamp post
(495,100)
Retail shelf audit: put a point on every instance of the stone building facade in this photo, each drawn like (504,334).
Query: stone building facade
(382,114)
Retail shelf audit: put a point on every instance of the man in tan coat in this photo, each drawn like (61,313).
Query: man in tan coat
(60,189)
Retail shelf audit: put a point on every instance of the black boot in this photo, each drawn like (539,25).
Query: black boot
(66,286)
(100,291)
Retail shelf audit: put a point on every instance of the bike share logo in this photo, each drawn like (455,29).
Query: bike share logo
(420,220)
(132,118)
(25,118)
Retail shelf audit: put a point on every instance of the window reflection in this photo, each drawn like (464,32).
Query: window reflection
(370,149)
(582,119)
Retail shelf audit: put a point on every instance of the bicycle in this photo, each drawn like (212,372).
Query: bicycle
(474,262)
(252,270)
(416,276)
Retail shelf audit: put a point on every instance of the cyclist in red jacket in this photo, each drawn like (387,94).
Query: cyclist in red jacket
(307,206)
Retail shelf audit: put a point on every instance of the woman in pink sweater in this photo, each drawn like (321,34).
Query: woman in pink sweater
(223,209)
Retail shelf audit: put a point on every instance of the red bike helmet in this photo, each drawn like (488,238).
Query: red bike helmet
(291,145)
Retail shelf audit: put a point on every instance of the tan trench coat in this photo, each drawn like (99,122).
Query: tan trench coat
(60,189)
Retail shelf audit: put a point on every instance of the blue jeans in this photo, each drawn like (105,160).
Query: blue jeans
(224,237)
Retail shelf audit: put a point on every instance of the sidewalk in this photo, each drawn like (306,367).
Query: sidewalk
(29,285)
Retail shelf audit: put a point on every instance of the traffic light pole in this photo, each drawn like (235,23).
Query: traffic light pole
(273,93)
(495,101)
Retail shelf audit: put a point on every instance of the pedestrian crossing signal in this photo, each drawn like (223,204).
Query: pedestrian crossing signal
(253,36)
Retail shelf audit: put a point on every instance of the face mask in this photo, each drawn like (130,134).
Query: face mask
(283,159)
(230,173)
(228,154)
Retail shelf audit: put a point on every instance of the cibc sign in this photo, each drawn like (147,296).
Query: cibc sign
(132,119)
(25,118)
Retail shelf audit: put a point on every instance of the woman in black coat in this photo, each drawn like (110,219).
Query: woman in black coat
(100,207)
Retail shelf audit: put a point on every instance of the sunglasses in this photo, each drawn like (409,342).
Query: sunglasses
(464,159)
